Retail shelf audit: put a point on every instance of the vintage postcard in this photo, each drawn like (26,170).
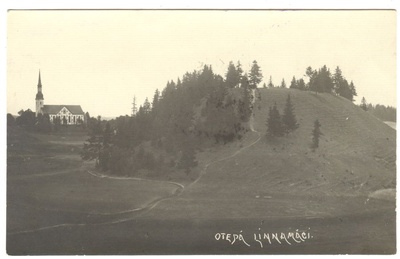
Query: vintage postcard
(198,132)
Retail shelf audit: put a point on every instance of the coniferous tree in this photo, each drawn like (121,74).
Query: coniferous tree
(283,84)
(289,118)
(346,91)
(363,104)
(293,83)
(239,71)
(270,84)
(353,91)
(338,81)
(311,74)
(320,81)
(178,83)
(188,158)
(146,106)
(323,81)
(274,123)
(255,76)
(134,106)
(316,133)
(264,85)
(342,87)
(156,98)
(105,150)
(92,147)
(301,85)
(232,78)
(245,102)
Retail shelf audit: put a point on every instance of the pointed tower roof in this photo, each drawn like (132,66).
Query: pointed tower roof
(39,83)
(39,95)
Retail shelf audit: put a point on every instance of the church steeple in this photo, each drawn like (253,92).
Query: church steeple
(39,97)
(39,83)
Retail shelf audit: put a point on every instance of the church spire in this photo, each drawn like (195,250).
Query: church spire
(39,83)
(39,95)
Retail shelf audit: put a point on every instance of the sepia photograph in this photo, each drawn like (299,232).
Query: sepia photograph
(200,132)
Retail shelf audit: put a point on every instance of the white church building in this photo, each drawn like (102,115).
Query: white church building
(67,114)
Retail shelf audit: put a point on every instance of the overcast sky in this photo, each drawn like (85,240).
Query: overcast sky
(101,59)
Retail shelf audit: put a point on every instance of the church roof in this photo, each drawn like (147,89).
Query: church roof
(39,96)
(54,109)
(40,82)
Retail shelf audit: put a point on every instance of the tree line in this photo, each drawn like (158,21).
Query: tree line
(197,111)
(321,81)
(385,113)
(41,123)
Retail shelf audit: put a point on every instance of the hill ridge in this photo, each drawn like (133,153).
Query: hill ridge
(345,165)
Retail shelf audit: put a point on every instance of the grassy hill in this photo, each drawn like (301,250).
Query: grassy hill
(343,193)
(357,152)
(283,176)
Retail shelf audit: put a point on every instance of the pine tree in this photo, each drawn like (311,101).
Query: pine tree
(311,76)
(353,91)
(232,78)
(178,83)
(301,85)
(363,104)
(146,106)
(293,84)
(188,158)
(134,106)
(255,76)
(283,84)
(156,98)
(346,91)
(92,147)
(264,85)
(338,81)
(245,102)
(316,133)
(274,123)
(239,71)
(105,150)
(342,87)
(323,81)
(320,81)
(270,84)
(289,118)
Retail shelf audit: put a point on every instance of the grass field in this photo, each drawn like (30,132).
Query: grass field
(48,184)
(343,193)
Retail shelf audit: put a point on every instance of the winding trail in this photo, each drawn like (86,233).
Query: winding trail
(131,214)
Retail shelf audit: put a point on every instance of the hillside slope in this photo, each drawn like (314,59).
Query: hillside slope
(357,153)
(283,177)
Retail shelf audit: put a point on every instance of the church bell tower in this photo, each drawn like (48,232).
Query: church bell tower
(39,98)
